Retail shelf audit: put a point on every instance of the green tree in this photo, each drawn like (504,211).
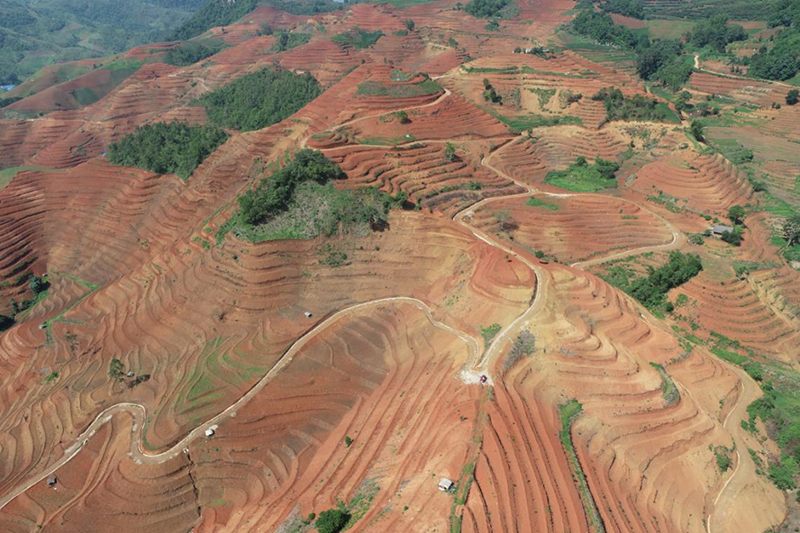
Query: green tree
(38,285)
(449,152)
(6,322)
(402,116)
(332,521)
(733,238)
(698,130)
(410,25)
(682,101)
(736,214)
(791,230)
(792,96)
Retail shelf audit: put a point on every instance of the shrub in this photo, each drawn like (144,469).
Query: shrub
(723,461)
(347,441)
(488,333)
(174,147)
(637,107)
(38,285)
(6,322)
(732,237)
(260,99)
(783,473)
(698,130)
(332,521)
(449,152)
(115,368)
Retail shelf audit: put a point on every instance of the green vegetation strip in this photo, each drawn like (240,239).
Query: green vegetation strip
(669,391)
(569,412)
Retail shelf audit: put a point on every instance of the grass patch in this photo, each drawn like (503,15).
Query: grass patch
(584,177)
(488,333)
(358,38)
(569,412)
(8,174)
(536,202)
(669,391)
(403,90)
(525,122)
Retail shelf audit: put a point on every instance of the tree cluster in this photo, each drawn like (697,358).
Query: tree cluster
(652,290)
(716,32)
(490,94)
(287,41)
(273,196)
(629,8)
(358,38)
(299,201)
(332,521)
(659,61)
(190,53)
(780,62)
(260,99)
(636,107)
(38,285)
(211,14)
(167,147)
(486,9)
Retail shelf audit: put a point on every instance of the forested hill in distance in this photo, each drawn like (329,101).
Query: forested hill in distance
(41,33)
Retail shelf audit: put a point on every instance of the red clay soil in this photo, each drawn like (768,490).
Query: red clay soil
(647,463)
(579,228)
(702,183)
(423,172)
(137,275)
(755,311)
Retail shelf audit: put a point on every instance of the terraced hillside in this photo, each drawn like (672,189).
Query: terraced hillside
(388,285)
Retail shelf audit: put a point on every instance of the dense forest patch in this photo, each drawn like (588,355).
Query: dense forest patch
(260,99)
(299,201)
(174,147)
(189,53)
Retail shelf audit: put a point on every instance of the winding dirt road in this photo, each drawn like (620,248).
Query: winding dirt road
(139,412)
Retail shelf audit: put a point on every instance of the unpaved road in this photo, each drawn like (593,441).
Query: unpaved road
(139,412)
(745,468)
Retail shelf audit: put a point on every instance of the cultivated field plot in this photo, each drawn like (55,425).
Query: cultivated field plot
(572,228)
